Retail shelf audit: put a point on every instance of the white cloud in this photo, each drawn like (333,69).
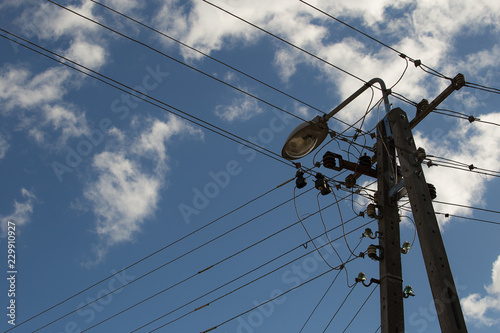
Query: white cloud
(4,146)
(241,109)
(477,308)
(424,30)
(20,88)
(37,102)
(48,21)
(123,5)
(125,193)
(122,196)
(87,54)
(464,143)
(22,211)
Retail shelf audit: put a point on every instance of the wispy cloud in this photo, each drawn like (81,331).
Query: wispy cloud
(22,211)
(240,109)
(125,193)
(4,146)
(484,310)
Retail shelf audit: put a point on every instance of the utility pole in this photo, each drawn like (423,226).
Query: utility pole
(441,281)
(394,133)
(391,281)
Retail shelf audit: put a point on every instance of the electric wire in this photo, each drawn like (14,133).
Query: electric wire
(417,63)
(482,87)
(465,206)
(460,115)
(307,232)
(324,228)
(328,289)
(182,256)
(488,173)
(214,59)
(242,286)
(340,307)
(468,218)
(176,60)
(164,106)
(317,305)
(342,221)
(83,72)
(185,254)
(362,305)
(272,299)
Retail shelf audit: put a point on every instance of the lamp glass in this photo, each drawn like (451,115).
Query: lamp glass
(300,146)
(304,139)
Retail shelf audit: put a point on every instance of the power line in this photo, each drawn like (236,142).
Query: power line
(340,307)
(284,41)
(482,87)
(331,284)
(176,60)
(465,206)
(362,305)
(468,218)
(207,56)
(417,63)
(460,115)
(272,299)
(246,284)
(144,258)
(185,254)
(191,251)
(164,106)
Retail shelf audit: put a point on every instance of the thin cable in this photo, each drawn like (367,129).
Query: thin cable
(342,221)
(176,60)
(180,257)
(307,232)
(285,41)
(207,56)
(465,206)
(331,284)
(402,55)
(245,274)
(143,258)
(483,88)
(460,115)
(215,59)
(340,307)
(414,227)
(236,289)
(179,113)
(353,318)
(324,227)
(317,305)
(468,218)
(270,300)
(467,170)
(65,300)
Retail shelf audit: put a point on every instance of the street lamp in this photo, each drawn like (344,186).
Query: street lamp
(310,134)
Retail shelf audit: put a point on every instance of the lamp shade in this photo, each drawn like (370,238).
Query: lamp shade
(304,139)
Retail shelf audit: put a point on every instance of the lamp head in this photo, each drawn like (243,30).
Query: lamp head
(305,138)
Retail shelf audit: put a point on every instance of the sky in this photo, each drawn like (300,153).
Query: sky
(139,171)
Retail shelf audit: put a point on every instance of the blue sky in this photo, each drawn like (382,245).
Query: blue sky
(96,179)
